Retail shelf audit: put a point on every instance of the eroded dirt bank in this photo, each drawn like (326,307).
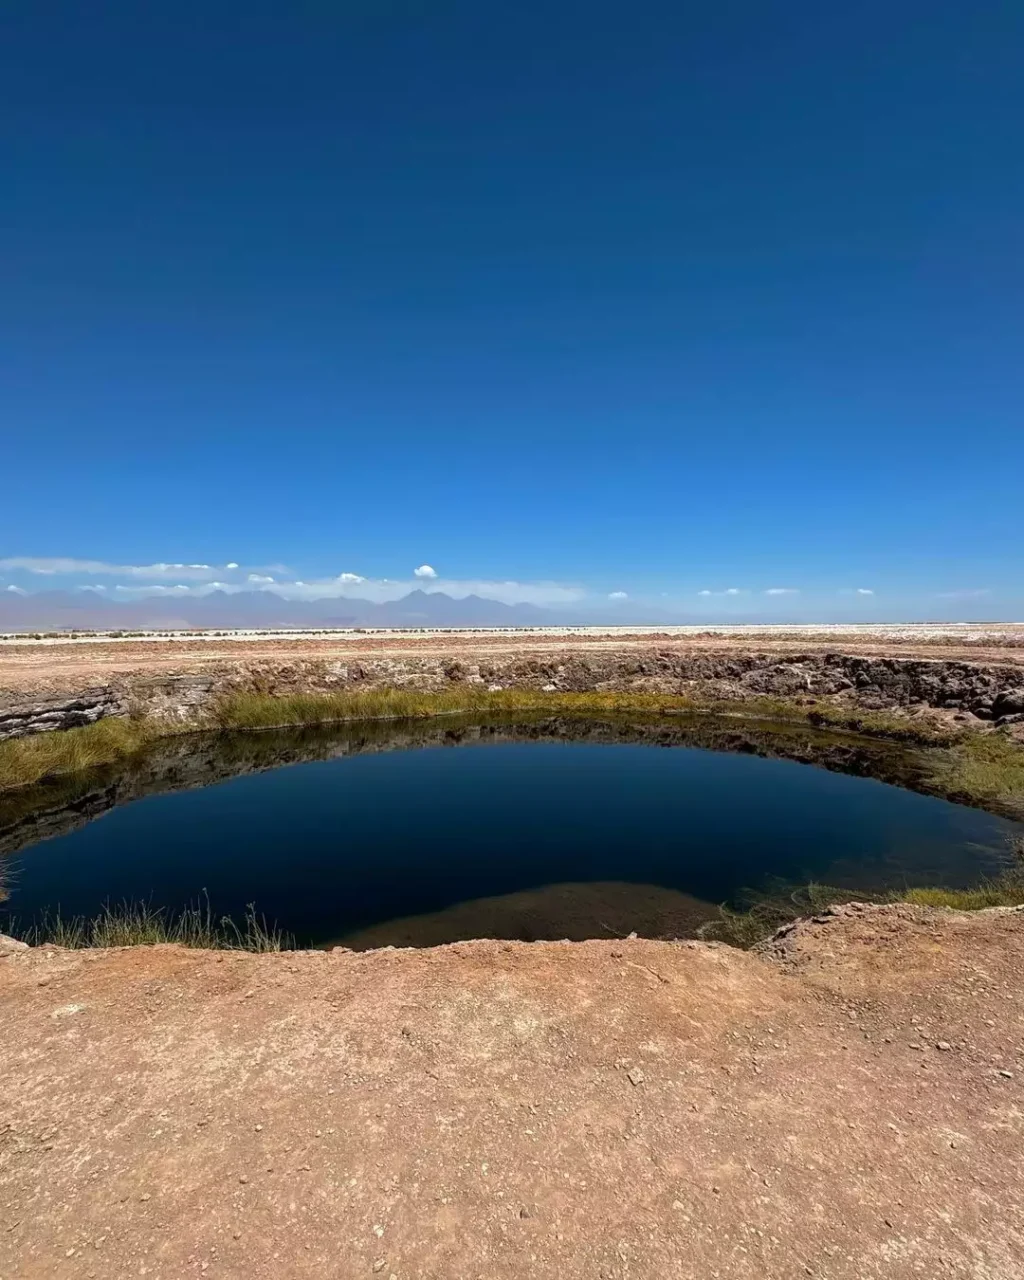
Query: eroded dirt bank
(46,687)
(848,1104)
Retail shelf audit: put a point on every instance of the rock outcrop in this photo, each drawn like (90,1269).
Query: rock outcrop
(18,718)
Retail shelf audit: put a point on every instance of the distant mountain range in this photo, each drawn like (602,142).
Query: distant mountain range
(87,610)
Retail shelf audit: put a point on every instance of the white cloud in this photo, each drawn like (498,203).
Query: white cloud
(732,591)
(18,591)
(178,579)
(617,595)
(865,591)
(783,591)
(705,592)
(50,565)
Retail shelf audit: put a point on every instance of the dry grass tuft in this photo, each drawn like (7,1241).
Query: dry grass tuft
(24,761)
(134,924)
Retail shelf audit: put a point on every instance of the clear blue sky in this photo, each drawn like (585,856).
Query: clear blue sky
(658,298)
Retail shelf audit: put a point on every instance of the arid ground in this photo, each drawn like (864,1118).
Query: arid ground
(850,1103)
(42,668)
(846,1103)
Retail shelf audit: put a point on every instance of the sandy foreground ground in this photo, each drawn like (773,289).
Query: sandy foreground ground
(849,1104)
(56,666)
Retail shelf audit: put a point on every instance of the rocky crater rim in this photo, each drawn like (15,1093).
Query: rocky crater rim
(975,693)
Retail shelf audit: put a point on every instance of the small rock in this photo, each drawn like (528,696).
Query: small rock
(1007,1075)
(635,1076)
(943,1046)
(243,1178)
(1009,702)
(380,1264)
(67,1010)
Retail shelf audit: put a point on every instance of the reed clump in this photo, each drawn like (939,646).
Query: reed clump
(779,906)
(24,761)
(982,769)
(244,710)
(139,924)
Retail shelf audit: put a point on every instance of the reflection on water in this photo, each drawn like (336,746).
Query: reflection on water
(553,827)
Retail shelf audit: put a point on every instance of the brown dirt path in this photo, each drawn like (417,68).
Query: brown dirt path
(849,1105)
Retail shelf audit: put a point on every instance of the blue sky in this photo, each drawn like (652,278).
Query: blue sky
(654,299)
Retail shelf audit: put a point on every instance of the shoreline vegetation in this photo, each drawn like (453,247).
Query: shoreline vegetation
(983,769)
(767,912)
(139,924)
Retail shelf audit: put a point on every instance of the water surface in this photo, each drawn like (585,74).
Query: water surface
(551,829)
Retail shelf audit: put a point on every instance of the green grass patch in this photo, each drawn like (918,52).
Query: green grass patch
(834,715)
(245,710)
(265,711)
(132,924)
(781,905)
(990,893)
(24,761)
(982,769)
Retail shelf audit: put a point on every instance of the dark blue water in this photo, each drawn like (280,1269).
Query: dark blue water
(330,848)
